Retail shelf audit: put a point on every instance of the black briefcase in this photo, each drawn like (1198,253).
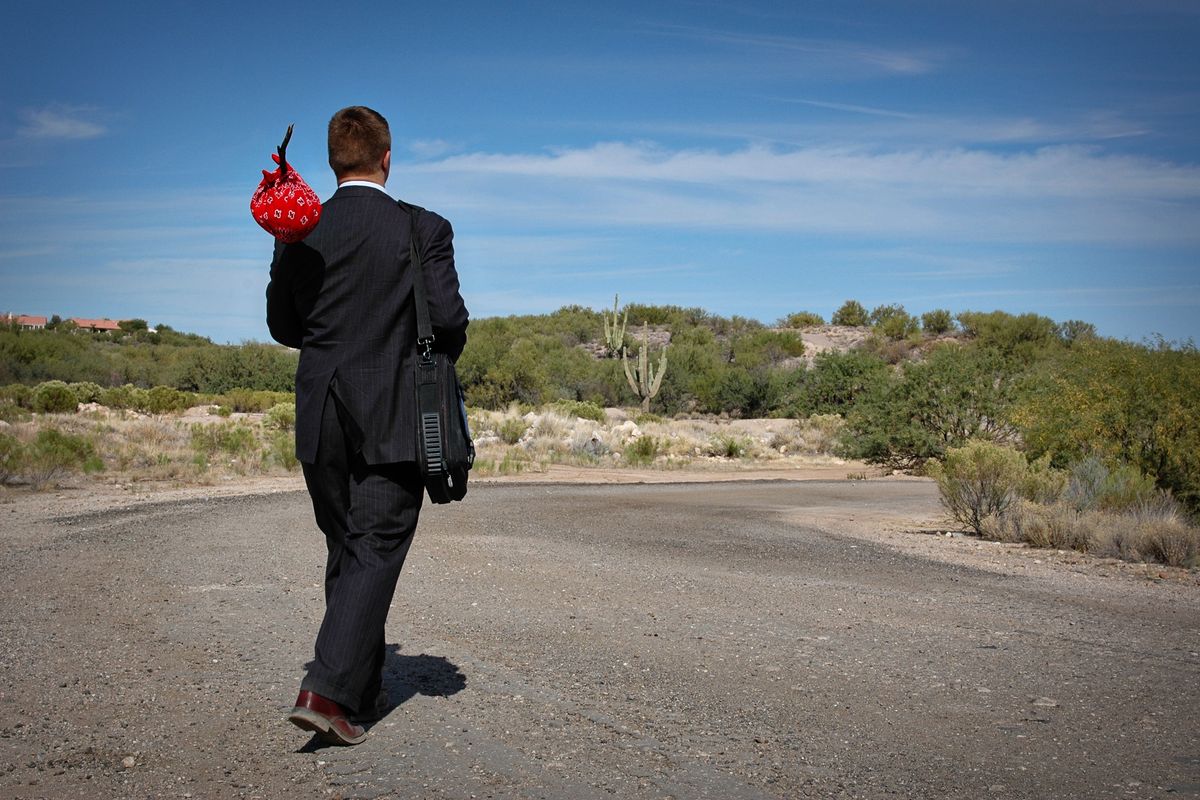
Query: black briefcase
(446,452)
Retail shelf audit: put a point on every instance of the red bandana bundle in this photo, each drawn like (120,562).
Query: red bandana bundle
(283,204)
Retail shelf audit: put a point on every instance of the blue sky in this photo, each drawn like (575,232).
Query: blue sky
(751,158)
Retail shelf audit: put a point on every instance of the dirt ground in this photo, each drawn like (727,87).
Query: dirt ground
(652,635)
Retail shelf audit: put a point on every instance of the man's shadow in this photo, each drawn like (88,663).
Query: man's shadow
(404,677)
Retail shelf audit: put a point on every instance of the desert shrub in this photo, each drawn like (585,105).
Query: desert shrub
(1042,483)
(164,400)
(53,454)
(728,445)
(1170,542)
(956,394)
(255,401)
(647,417)
(1074,330)
(801,319)
(11,412)
(836,381)
(979,480)
(1092,484)
(1164,538)
(1122,403)
(1020,338)
(54,397)
(220,411)
(281,417)
(282,450)
(87,392)
(937,321)
(11,453)
(851,313)
(18,394)
(125,397)
(511,429)
(893,322)
(223,368)
(641,451)
(581,409)
(232,438)
(819,433)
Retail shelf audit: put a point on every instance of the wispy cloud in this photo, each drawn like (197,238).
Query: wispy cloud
(1061,193)
(834,52)
(431,148)
(59,122)
(856,109)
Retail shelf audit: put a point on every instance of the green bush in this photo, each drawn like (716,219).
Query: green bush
(11,457)
(1023,338)
(581,409)
(122,397)
(87,392)
(54,397)
(893,322)
(1042,483)
(851,313)
(955,394)
(1092,484)
(255,401)
(53,455)
(282,450)
(231,438)
(281,417)
(728,445)
(11,412)
(979,480)
(1123,404)
(937,322)
(801,319)
(835,382)
(511,429)
(18,394)
(164,400)
(641,451)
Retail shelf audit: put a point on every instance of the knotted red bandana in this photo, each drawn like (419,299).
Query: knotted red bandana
(283,204)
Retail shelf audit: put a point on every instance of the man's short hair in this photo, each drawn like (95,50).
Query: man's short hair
(358,138)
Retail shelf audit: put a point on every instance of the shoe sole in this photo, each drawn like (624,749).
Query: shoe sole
(308,720)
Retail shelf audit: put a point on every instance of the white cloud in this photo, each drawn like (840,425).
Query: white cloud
(1060,193)
(832,53)
(59,122)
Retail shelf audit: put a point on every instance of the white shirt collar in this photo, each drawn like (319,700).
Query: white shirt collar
(371,184)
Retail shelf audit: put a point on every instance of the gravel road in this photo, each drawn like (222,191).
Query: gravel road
(735,641)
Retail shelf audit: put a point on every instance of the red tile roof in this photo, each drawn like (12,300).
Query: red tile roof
(96,324)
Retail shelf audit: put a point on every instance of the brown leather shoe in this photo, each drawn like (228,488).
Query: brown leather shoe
(328,720)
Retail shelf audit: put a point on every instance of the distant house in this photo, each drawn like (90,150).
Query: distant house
(26,321)
(96,325)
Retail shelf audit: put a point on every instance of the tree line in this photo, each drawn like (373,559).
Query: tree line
(912,390)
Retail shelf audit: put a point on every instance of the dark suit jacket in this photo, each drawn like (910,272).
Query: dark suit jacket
(344,297)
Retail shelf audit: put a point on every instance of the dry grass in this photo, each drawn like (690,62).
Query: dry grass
(197,446)
(1151,533)
(136,448)
(535,439)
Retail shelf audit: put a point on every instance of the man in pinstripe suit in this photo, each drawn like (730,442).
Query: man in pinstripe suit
(344,297)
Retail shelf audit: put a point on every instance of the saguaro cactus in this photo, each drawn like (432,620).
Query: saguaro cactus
(614,333)
(644,379)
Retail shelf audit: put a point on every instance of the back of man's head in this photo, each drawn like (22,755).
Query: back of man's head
(358,139)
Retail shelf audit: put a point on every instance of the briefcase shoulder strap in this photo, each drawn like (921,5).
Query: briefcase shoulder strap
(425,336)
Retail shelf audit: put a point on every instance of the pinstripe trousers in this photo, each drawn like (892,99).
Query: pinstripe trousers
(368,514)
